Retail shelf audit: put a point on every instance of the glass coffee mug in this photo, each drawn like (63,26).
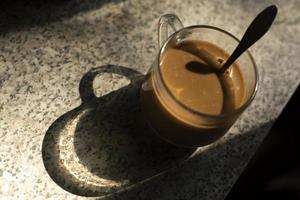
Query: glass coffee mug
(174,121)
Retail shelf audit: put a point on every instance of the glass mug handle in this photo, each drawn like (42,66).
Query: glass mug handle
(166,21)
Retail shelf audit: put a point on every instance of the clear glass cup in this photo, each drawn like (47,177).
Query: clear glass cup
(173,121)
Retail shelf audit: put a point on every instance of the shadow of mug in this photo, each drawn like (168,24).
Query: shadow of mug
(104,146)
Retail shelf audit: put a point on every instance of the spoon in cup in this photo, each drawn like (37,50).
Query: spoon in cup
(258,27)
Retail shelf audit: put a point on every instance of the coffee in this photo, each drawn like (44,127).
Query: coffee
(195,84)
(189,85)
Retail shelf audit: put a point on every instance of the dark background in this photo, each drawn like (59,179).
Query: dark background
(274,171)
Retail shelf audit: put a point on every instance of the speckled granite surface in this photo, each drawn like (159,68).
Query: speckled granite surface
(50,146)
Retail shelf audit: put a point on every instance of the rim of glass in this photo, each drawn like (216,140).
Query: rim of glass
(235,111)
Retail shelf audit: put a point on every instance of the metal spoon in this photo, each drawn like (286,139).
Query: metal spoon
(259,26)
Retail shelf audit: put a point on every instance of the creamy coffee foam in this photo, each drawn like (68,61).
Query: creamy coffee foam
(194,83)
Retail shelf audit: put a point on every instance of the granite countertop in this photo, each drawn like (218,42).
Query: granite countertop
(52,54)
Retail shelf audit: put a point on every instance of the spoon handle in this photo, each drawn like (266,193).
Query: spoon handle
(259,26)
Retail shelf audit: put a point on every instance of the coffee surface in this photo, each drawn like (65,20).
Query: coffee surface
(194,83)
